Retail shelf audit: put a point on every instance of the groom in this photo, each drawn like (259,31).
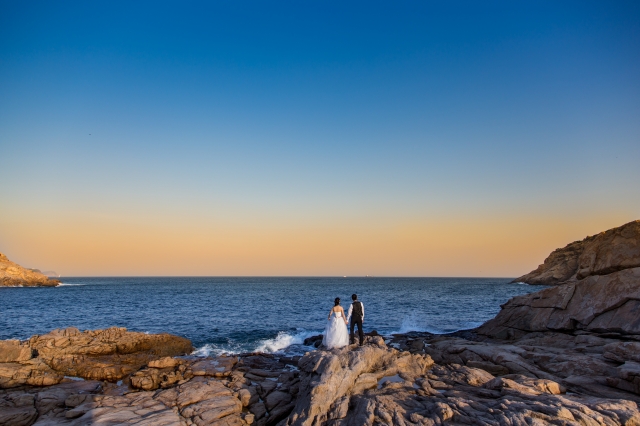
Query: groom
(356,316)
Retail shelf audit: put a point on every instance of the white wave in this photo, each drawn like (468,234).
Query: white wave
(69,285)
(278,344)
(411,323)
(472,324)
(283,340)
(209,350)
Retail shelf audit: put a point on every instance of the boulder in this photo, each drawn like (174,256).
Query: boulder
(14,275)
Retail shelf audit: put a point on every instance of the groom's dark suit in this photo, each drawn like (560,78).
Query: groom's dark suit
(356,315)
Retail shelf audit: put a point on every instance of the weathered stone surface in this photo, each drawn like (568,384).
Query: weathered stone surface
(34,372)
(622,351)
(601,254)
(441,394)
(17,409)
(166,362)
(329,376)
(163,377)
(14,275)
(601,290)
(218,367)
(25,406)
(131,409)
(370,385)
(586,364)
(14,351)
(599,303)
(597,289)
(110,355)
(201,401)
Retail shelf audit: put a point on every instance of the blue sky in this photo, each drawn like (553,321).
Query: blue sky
(294,116)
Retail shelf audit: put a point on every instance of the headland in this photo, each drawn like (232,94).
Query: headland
(14,275)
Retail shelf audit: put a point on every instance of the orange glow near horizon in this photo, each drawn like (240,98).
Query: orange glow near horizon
(138,246)
(423,140)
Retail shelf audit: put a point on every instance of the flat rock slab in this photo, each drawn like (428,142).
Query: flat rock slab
(111,355)
(217,367)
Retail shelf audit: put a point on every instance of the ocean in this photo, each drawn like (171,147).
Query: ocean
(233,315)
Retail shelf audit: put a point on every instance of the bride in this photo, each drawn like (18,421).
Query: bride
(335,333)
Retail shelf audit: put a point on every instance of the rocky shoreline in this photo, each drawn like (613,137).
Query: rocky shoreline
(566,355)
(114,376)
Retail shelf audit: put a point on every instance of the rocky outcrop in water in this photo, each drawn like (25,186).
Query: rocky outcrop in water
(14,275)
(608,304)
(599,290)
(110,354)
(601,254)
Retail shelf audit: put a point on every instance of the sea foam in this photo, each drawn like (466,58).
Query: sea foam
(284,340)
(279,344)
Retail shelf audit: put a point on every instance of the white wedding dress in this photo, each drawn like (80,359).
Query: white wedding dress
(335,333)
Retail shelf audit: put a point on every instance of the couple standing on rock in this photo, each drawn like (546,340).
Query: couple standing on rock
(335,333)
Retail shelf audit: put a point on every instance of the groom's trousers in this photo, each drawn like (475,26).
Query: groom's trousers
(358,322)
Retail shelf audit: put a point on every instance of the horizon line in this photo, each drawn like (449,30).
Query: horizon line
(275,276)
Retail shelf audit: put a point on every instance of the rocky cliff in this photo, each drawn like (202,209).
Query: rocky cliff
(597,289)
(14,275)
(601,254)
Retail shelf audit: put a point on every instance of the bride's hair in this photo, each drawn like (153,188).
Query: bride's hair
(337,301)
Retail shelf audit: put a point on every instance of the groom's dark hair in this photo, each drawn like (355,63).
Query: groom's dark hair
(354,297)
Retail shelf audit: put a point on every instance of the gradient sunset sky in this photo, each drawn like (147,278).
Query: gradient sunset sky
(415,138)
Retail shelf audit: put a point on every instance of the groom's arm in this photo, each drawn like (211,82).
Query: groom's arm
(362,311)
(349,312)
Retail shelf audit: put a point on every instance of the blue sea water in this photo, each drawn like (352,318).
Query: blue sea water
(251,314)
